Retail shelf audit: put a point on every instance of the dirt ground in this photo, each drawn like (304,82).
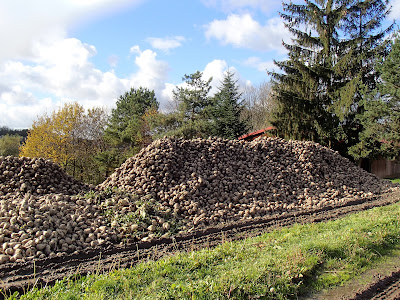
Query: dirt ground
(23,276)
(386,288)
(380,282)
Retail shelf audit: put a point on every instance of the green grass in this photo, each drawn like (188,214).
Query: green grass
(395,180)
(282,264)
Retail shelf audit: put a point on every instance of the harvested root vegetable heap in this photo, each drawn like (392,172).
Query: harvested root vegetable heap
(40,176)
(172,186)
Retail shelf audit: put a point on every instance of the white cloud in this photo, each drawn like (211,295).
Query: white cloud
(167,96)
(61,69)
(245,32)
(216,70)
(135,49)
(62,72)
(152,73)
(21,115)
(257,63)
(166,44)
(22,24)
(234,5)
(395,13)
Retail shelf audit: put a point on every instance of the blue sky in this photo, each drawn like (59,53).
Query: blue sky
(92,51)
(184,22)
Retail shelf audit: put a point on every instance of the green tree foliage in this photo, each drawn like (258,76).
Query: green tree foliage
(227,109)
(128,130)
(390,74)
(367,44)
(193,115)
(318,92)
(381,119)
(9,145)
(305,91)
(162,124)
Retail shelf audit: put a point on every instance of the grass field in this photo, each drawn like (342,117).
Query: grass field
(282,264)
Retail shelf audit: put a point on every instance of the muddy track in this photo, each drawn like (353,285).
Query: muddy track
(23,276)
(387,288)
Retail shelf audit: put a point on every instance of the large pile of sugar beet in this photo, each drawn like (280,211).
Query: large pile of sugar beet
(215,180)
(172,186)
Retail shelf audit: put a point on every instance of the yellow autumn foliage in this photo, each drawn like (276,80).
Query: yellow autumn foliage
(54,137)
(69,136)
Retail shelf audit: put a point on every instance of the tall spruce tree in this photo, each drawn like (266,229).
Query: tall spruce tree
(367,44)
(227,109)
(317,91)
(381,119)
(367,41)
(305,92)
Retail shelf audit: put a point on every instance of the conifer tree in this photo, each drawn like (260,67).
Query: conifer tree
(367,45)
(305,92)
(194,104)
(381,118)
(227,109)
(331,63)
(127,127)
(367,40)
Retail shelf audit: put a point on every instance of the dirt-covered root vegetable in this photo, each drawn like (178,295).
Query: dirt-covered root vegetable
(173,186)
(38,176)
(206,182)
(49,225)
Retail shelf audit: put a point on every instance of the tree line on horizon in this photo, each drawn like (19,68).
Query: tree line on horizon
(339,87)
(11,139)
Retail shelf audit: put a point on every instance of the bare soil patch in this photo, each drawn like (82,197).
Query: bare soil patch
(372,283)
(387,288)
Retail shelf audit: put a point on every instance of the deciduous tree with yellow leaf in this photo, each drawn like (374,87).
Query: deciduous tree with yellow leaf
(70,137)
